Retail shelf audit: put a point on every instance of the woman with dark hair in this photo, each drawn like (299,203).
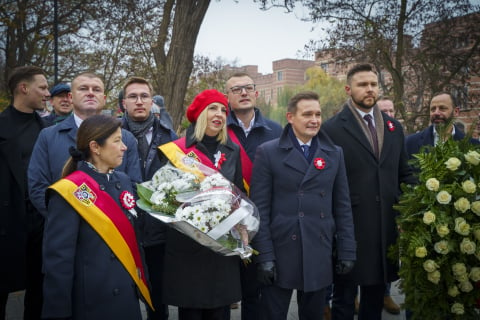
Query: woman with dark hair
(92,262)
(199,281)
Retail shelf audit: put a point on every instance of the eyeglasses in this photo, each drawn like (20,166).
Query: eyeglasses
(238,89)
(143,98)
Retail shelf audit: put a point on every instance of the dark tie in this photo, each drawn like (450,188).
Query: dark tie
(373,132)
(306,150)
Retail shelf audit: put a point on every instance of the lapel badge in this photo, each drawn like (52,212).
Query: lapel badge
(319,163)
(391,126)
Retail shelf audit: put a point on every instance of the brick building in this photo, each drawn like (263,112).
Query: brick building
(286,73)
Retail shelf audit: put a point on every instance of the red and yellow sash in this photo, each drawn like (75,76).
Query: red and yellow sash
(173,149)
(247,164)
(104,215)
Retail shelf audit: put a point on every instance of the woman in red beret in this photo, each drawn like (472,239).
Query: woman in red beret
(199,281)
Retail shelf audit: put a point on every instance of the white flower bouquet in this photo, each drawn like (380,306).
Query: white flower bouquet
(199,202)
(439,243)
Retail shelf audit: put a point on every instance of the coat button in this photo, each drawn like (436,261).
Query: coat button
(102,187)
(118,185)
(322,215)
(377,198)
(294,237)
(301,214)
(112,256)
(116,291)
(300,193)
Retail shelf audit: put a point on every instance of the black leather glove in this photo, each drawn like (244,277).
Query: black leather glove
(266,273)
(344,266)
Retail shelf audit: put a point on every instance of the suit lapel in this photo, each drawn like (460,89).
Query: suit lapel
(352,127)
(296,161)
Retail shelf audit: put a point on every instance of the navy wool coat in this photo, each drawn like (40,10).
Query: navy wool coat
(374,185)
(83,277)
(302,209)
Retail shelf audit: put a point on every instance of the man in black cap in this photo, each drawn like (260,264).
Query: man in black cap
(61,102)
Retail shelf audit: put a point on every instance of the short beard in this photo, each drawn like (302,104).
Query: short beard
(362,105)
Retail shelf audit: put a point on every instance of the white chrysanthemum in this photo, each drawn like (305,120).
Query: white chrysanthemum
(215,180)
(158,197)
(443,197)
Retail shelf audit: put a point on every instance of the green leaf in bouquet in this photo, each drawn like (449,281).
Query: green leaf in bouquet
(144,193)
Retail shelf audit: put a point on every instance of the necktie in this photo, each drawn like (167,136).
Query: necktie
(373,132)
(306,150)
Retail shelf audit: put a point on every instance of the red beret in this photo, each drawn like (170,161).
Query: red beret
(202,100)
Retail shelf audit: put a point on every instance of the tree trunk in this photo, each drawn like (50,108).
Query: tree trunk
(174,73)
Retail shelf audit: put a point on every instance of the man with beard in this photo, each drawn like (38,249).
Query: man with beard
(443,109)
(376,163)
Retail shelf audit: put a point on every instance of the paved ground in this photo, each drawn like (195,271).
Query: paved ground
(15,308)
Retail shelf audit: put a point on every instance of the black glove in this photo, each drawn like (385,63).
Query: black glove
(266,273)
(344,266)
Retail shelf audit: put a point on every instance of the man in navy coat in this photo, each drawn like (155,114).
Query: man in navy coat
(376,163)
(443,109)
(51,148)
(300,187)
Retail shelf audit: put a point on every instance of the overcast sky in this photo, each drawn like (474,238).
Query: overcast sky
(242,32)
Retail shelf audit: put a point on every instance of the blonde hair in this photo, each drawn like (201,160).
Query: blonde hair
(201,126)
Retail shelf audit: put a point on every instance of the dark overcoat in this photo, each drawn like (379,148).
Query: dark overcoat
(303,206)
(14,221)
(51,152)
(374,185)
(416,141)
(83,277)
(195,276)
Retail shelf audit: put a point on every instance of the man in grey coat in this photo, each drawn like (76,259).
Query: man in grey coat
(300,188)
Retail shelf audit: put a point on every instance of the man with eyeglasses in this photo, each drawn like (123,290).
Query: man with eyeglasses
(150,133)
(248,128)
(51,150)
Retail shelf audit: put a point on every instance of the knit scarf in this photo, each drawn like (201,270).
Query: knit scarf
(139,129)
(379,126)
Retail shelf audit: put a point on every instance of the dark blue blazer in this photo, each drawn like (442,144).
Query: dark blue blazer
(302,209)
(416,141)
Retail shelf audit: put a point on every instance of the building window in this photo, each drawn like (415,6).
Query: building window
(324,66)
(279,75)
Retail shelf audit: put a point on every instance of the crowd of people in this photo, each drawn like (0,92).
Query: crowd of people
(81,249)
